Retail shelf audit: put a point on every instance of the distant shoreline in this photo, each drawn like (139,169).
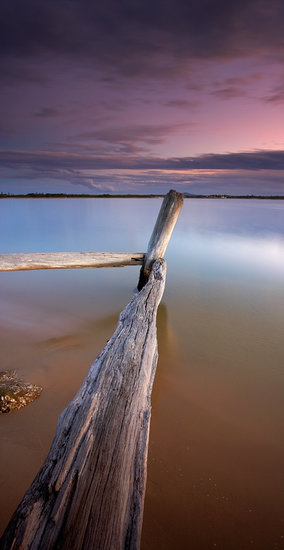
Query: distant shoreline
(129,196)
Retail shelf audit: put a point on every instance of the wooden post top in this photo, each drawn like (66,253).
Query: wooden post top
(164,226)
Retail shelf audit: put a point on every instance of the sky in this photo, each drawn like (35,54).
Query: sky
(132,96)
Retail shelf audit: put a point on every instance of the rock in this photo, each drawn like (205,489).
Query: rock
(14,392)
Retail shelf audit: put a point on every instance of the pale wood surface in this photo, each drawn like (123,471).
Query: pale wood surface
(89,492)
(164,226)
(65,260)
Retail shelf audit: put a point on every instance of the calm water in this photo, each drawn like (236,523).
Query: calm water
(215,470)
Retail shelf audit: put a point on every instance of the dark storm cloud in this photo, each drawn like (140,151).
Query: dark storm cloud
(139,38)
(40,161)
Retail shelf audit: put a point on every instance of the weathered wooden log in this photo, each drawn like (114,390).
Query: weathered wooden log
(65,260)
(161,234)
(89,492)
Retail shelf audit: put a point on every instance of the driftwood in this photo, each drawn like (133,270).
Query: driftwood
(164,226)
(89,492)
(65,260)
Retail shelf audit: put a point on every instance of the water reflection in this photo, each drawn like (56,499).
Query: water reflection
(245,257)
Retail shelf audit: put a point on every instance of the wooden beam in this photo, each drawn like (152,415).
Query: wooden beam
(65,260)
(168,215)
(90,490)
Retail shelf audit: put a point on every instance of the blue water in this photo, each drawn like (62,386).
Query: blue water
(215,473)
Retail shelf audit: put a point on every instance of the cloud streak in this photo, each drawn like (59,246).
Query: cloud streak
(45,160)
(229,93)
(47,112)
(139,138)
(277,95)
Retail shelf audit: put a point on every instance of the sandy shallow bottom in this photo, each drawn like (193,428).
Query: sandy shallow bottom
(216,450)
(58,365)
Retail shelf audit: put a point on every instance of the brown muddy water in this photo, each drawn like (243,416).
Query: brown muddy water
(216,451)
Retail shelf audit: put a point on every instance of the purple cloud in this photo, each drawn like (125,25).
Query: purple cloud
(181,103)
(47,112)
(129,139)
(240,81)
(149,38)
(277,95)
(229,93)
(57,161)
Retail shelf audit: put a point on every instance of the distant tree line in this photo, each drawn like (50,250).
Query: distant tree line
(129,196)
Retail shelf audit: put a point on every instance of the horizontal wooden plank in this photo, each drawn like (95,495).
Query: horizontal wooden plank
(68,260)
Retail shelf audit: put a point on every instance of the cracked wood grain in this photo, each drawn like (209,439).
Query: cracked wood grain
(68,260)
(89,493)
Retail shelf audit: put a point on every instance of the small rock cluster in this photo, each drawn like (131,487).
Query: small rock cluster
(14,392)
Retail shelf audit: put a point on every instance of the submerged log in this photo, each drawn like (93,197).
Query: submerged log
(164,226)
(89,492)
(68,260)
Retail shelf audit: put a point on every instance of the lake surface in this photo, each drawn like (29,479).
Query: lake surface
(216,454)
